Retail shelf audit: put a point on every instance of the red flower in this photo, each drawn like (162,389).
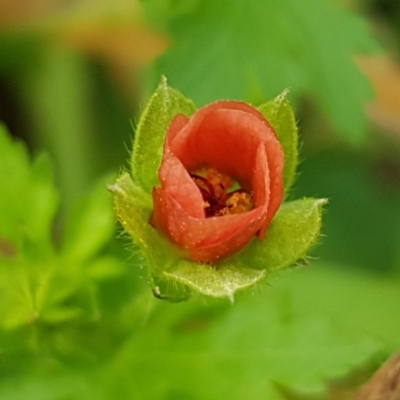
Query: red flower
(222,143)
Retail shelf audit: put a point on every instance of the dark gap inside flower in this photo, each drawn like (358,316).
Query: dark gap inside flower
(218,201)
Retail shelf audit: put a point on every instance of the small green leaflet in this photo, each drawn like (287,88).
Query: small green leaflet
(162,107)
(280,115)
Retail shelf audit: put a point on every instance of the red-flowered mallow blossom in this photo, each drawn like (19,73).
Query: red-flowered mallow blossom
(221,180)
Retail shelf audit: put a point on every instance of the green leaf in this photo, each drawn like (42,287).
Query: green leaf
(29,199)
(327,56)
(104,268)
(44,200)
(281,116)
(204,351)
(223,49)
(91,226)
(39,292)
(160,12)
(152,128)
(17,304)
(57,94)
(295,334)
(14,177)
(370,300)
(62,387)
(292,232)
(345,176)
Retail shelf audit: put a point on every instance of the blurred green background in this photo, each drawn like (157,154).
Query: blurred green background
(74,76)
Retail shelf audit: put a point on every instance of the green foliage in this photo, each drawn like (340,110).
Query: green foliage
(28,203)
(302,45)
(73,324)
(206,354)
(46,295)
(199,350)
(92,215)
(363,223)
(356,302)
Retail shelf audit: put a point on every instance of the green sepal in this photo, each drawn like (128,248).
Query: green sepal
(293,231)
(222,281)
(133,207)
(280,115)
(162,107)
(165,288)
(173,277)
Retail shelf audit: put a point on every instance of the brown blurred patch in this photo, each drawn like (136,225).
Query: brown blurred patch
(113,31)
(384,74)
(7,249)
(385,384)
(20,11)
(122,43)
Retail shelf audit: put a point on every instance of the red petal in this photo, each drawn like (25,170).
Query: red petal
(206,239)
(261,184)
(234,138)
(228,140)
(176,180)
(177,124)
(225,139)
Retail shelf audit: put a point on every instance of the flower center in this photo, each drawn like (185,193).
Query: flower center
(214,187)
